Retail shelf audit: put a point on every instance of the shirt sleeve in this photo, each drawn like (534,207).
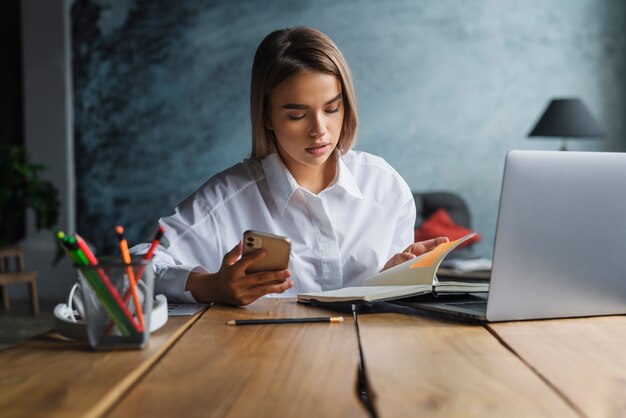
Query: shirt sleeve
(403,234)
(190,244)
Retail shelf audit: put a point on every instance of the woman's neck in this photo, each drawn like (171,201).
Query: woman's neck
(315,178)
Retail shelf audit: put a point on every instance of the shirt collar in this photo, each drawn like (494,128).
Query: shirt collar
(346,180)
(282,185)
(279,180)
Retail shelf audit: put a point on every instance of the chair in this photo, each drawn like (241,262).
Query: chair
(12,271)
(428,202)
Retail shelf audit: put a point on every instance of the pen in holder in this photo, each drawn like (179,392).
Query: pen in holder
(111,315)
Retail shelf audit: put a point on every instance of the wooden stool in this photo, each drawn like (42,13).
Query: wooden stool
(12,270)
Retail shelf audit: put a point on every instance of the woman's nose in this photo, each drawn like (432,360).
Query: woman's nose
(317,127)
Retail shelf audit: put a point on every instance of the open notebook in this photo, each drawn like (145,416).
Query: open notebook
(413,277)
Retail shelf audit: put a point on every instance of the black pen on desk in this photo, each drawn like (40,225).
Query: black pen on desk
(331,319)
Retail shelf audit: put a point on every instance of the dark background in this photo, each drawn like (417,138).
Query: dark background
(11,129)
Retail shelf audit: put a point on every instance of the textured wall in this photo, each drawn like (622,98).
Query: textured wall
(444,88)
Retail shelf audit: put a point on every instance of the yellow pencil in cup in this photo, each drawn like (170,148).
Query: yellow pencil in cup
(131,274)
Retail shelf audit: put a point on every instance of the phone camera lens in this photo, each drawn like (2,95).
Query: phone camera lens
(249,244)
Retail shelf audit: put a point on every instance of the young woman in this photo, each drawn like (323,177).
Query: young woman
(348,214)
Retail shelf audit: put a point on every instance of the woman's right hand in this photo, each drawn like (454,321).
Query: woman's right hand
(232,286)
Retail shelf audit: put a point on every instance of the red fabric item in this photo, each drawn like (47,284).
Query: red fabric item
(440,224)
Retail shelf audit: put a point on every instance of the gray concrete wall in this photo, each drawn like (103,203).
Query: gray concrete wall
(445,89)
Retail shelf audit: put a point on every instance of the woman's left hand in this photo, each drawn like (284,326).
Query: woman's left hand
(413,250)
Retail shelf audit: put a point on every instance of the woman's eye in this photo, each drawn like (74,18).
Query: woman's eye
(296,117)
(335,110)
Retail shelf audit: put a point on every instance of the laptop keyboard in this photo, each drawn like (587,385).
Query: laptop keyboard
(480,305)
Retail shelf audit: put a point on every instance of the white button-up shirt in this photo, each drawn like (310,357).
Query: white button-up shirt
(339,237)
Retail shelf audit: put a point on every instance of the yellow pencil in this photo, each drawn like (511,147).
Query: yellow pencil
(331,319)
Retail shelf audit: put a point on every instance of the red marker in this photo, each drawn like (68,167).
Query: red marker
(148,256)
(155,243)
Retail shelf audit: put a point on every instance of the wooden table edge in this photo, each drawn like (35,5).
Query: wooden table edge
(122,388)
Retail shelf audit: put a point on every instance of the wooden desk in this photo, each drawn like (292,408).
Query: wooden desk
(418,365)
(54,377)
(583,359)
(254,371)
(430,366)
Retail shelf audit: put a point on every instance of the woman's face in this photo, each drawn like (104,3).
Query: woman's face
(306,115)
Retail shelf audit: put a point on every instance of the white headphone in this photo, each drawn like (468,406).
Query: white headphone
(68,317)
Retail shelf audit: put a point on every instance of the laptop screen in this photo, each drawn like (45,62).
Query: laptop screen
(560,247)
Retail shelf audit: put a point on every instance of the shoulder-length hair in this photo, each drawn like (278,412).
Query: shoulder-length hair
(280,55)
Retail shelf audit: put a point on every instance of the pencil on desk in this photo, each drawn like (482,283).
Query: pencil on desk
(331,319)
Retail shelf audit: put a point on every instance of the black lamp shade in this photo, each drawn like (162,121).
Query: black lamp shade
(567,118)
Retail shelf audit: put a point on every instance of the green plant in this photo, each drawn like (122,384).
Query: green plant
(21,187)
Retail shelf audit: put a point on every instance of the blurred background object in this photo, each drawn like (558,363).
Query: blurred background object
(566,118)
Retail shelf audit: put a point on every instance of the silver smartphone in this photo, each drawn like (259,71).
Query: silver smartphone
(277,249)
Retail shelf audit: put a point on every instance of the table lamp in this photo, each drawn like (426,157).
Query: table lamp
(566,118)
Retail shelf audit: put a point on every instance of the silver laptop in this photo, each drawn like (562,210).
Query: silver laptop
(560,247)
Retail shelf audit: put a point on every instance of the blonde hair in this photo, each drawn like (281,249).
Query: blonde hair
(280,55)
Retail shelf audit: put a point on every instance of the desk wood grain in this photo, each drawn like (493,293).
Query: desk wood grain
(583,358)
(428,366)
(286,370)
(54,377)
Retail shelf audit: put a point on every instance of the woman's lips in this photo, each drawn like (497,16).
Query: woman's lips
(318,150)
